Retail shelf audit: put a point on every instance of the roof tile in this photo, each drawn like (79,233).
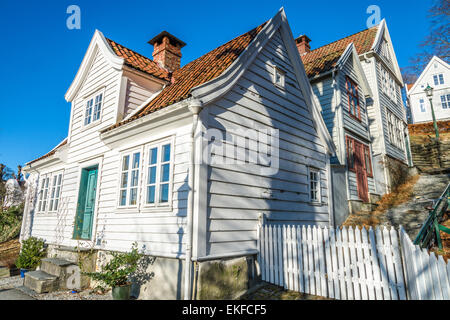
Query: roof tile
(323,59)
(195,73)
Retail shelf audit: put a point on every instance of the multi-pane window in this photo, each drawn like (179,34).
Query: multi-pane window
(43,194)
(438,79)
(158,174)
(388,85)
(353,98)
(93,109)
(129,179)
(314,185)
(445,101)
(395,130)
(55,192)
(422,105)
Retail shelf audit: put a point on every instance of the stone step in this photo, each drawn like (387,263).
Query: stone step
(63,269)
(55,266)
(40,281)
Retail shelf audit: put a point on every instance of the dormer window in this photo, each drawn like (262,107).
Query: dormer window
(93,109)
(279,77)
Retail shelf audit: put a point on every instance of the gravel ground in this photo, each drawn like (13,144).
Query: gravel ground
(17,283)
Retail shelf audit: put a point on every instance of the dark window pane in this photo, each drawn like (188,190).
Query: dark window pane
(165,170)
(153,155)
(166,153)
(151,194)
(151,175)
(164,197)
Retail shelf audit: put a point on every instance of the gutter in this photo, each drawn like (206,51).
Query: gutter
(195,107)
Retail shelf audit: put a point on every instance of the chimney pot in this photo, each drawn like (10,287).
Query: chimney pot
(303,46)
(167,51)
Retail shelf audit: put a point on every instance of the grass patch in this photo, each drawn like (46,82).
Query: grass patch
(400,195)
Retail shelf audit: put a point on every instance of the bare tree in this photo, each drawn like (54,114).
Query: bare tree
(437,41)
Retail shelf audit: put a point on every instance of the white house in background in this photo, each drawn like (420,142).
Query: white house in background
(437,75)
(362,108)
(129,171)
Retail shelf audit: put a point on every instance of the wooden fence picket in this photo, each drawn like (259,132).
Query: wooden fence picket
(354,263)
(300,259)
(360,264)
(306,261)
(280,256)
(399,278)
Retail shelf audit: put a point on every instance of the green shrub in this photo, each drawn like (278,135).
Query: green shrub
(31,254)
(117,271)
(10,223)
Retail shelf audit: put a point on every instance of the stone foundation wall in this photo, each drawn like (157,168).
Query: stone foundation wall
(431,156)
(226,279)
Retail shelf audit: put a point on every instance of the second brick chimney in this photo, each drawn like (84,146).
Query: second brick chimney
(167,51)
(303,46)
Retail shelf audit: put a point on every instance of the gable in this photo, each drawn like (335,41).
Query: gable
(98,43)
(383,47)
(416,87)
(350,56)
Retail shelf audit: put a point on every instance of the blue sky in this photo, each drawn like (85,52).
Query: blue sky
(40,55)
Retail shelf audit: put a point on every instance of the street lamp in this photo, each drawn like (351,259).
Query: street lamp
(429,92)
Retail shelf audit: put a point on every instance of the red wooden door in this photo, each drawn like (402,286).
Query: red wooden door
(361,173)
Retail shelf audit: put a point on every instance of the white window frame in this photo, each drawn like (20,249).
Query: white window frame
(317,201)
(437,78)
(146,164)
(282,76)
(130,170)
(43,195)
(93,97)
(445,99)
(422,105)
(52,191)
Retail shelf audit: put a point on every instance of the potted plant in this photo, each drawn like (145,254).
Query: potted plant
(116,272)
(30,256)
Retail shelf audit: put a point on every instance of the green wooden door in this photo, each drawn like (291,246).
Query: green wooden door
(86,204)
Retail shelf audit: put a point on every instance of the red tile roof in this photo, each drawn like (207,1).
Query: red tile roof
(324,59)
(138,61)
(49,154)
(195,73)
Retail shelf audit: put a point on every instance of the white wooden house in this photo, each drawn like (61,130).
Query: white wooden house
(437,75)
(132,166)
(358,83)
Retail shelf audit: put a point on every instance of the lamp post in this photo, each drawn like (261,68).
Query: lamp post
(429,92)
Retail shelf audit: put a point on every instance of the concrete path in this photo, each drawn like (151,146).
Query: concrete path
(14,294)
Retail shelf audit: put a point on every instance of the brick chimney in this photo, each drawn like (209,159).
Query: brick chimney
(303,46)
(167,51)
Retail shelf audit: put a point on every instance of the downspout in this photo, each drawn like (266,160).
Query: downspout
(195,107)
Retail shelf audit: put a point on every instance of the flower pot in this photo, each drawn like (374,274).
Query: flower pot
(22,272)
(121,292)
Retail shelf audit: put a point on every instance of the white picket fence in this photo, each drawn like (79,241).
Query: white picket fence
(427,276)
(350,264)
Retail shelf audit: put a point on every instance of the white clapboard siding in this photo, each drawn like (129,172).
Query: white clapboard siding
(351,264)
(238,193)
